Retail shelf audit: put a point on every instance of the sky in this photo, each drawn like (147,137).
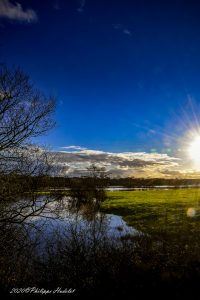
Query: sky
(125,74)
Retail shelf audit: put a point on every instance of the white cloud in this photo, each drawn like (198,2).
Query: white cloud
(16,12)
(121,163)
(73,147)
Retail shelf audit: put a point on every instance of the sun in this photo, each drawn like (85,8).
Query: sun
(194,150)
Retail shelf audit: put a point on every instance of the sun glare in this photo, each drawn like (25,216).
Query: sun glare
(194,151)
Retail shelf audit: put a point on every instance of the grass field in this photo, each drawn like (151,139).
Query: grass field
(170,213)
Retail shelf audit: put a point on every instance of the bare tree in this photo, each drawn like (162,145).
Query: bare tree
(25,113)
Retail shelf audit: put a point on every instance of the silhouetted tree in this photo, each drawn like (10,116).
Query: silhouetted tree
(90,188)
(25,113)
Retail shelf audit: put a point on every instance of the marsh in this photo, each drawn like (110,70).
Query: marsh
(144,240)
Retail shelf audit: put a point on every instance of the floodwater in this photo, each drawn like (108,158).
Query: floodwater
(63,216)
(61,220)
(142,188)
(155,187)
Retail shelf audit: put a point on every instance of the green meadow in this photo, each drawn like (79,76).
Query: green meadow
(173,213)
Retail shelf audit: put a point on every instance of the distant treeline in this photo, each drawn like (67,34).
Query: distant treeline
(63,182)
(150,182)
(46,182)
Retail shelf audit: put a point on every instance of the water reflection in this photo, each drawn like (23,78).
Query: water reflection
(66,219)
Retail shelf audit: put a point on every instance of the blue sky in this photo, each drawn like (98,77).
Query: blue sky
(123,71)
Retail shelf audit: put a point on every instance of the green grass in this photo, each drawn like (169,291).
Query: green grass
(158,212)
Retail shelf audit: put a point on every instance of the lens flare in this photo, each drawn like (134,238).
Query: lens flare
(191,212)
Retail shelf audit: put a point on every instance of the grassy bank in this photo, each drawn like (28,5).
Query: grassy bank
(167,212)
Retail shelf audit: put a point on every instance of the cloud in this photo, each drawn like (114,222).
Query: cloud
(117,26)
(81,5)
(73,147)
(76,159)
(126,31)
(16,12)
(122,28)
